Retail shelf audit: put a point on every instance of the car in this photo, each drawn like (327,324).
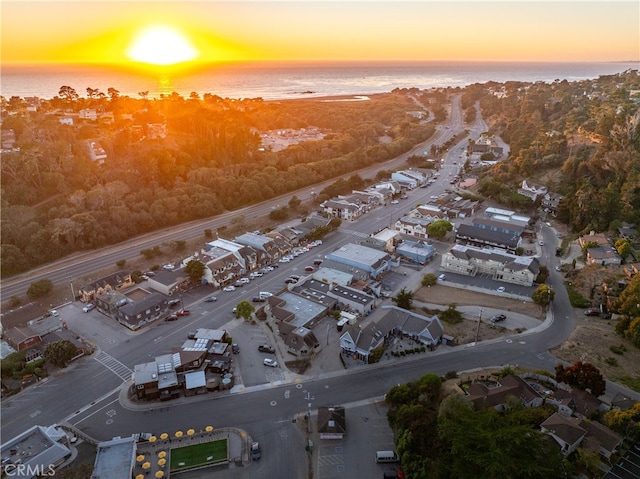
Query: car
(255,451)
(592,312)
(265,294)
(169,267)
(558,268)
(235,348)
(88,307)
(395,202)
(172,317)
(192,334)
(308,269)
(433,197)
(145,277)
(183,312)
(173,302)
(228,289)
(284,260)
(269,269)
(54,312)
(318,242)
(442,277)
(151,274)
(255,274)
(239,284)
(498,317)
(295,276)
(258,299)
(211,299)
(244,280)
(290,281)
(272,363)
(541,243)
(266,348)
(317,262)
(501,289)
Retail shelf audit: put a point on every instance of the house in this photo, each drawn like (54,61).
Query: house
(297,308)
(361,342)
(603,255)
(593,239)
(416,251)
(136,314)
(413,226)
(354,299)
(532,191)
(332,422)
(479,237)
(299,341)
(168,282)
(601,438)
(343,209)
(22,338)
(260,243)
(497,397)
(113,282)
(96,151)
(565,431)
(551,202)
(71,337)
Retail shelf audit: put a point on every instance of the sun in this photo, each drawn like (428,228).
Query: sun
(161,45)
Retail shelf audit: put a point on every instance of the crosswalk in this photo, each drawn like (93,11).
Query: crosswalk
(113,365)
(355,233)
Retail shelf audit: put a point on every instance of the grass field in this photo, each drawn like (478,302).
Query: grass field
(188,457)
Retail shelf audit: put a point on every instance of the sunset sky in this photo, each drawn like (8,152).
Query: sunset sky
(325,30)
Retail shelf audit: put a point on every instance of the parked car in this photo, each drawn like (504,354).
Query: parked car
(239,284)
(255,451)
(211,299)
(145,277)
(235,348)
(53,312)
(501,289)
(442,277)
(308,269)
(169,267)
(290,281)
(151,274)
(395,202)
(284,260)
(295,276)
(258,299)
(88,307)
(498,317)
(266,348)
(173,302)
(229,288)
(272,363)
(192,334)
(183,312)
(172,317)
(592,312)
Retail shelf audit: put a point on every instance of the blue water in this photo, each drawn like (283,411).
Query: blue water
(280,82)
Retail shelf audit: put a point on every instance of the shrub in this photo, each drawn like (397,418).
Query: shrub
(451,375)
(40,288)
(611,361)
(617,349)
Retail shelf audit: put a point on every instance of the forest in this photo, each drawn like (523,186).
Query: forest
(581,139)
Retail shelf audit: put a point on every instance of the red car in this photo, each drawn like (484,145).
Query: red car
(183,312)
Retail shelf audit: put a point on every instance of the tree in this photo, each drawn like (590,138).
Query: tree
(120,263)
(279,214)
(294,202)
(451,315)
(40,288)
(623,248)
(68,94)
(195,270)
(543,274)
(439,229)
(244,309)
(582,375)
(429,279)
(59,353)
(403,299)
(625,422)
(543,295)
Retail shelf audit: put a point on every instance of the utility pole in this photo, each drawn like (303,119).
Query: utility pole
(479,321)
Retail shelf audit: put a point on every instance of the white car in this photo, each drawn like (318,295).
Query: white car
(441,277)
(541,243)
(284,260)
(501,289)
(54,312)
(229,288)
(272,363)
(395,202)
(88,307)
(169,267)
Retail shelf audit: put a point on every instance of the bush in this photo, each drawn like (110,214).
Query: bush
(611,361)
(617,349)
(451,375)
(40,288)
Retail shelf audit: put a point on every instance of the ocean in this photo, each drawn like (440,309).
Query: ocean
(271,82)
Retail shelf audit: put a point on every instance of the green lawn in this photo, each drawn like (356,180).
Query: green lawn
(188,457)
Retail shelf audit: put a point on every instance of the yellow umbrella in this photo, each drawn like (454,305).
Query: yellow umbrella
(146,465)
(208,428)
(162,462)
(164,435)
(140,458)
(162,454)
(190,432)
(178,433)
(153,439)
(140,476)
(159,474)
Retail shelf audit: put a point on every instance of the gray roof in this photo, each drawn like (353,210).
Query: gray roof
(114,458)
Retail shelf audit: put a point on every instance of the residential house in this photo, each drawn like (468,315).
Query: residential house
(565,431)
(551,202)
(352,298)
(501,224)
(260,243)
(136,314)
(532,191)
(593,238)
(22,338)
(299,341)
(96,151)
(361,342)
(389,238)
(71,337)
(393,187)
(497,396)
(343,209)
(601,438)
(332,422)
(168,282)
(603,255)
(470,235)
(108,302)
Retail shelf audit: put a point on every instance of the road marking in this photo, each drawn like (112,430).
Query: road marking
(287,393)
(115,366)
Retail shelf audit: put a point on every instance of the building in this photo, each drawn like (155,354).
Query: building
(39,450)
(168,282)
(416,251)
(332,423)
(114,282)
(497,397)
(115,458)
(343,209)
(501,266)
(566,431)
(22,338)
(299,341)
(353,299)
(414,226)
(136,314)
(360,258)
(480,237)
(409,179)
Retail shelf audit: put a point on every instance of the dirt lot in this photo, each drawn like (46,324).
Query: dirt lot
(465,332)
(591,340)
